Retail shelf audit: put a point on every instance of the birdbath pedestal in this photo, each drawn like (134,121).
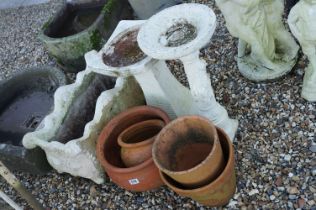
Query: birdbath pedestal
(180,32)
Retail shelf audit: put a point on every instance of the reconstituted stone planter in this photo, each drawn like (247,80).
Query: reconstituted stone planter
(68,135)
(79,27)
(26,99)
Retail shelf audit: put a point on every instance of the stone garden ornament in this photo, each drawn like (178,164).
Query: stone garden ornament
(302,22)
(119,58)
(179,32)
(266,50)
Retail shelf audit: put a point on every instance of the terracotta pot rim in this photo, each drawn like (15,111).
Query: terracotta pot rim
(154,122)
(100,147)
(180,119)
(229,162)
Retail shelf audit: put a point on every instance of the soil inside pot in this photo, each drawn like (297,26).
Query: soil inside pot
(179,34)
(74,20)
(22,114)
(189,150)
(83,108)
(190,155)
(226,152)
(124,52)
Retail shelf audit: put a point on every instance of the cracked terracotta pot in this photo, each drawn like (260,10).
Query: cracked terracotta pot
(188,150)
(142,177)
(137,140)
(218,192)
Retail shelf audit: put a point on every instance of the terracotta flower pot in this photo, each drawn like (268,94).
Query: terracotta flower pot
(137,140)
(217,192)
(142,177)
(188,150)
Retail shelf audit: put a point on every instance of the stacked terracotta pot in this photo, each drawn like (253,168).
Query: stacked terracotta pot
(124,148)
(196,160)
(140,150)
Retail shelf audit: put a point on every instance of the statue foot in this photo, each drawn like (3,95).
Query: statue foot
(255,71)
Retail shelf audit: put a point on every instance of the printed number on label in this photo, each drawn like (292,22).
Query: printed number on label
(133,181)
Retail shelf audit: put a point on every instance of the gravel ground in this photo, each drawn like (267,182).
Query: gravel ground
(276,164)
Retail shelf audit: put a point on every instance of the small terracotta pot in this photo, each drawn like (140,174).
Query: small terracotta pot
(188,150)
(218,192)
(137,140)
(142,177)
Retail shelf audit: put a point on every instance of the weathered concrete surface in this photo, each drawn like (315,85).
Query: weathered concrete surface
(69,50)
(45,80)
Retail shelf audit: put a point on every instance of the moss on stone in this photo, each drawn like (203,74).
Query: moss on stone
(96,39)
(107,12)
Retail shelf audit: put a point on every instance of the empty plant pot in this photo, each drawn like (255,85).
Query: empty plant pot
(218,192)
(142,177)
(81,26)
(25,100)
(136,141)
(188,150)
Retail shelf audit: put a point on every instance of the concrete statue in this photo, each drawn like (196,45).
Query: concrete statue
(266,50)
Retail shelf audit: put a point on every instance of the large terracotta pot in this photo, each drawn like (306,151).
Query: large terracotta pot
(137,140)
(142,177)
(188,150)
(218,192)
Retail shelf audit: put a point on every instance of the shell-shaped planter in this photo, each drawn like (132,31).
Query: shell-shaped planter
(67,136)
(25,100)
(78,27)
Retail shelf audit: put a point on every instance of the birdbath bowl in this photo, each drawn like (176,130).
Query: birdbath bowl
(179,32)
(122,57)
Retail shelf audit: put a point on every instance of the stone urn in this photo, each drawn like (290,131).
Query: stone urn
(137,140)
(188,150)
(68,135)
(81,26)
(217,192)
(26,98)
(141,177)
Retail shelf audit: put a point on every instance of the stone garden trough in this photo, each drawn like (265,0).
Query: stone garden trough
(25,100)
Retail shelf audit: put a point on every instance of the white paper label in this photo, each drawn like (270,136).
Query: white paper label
(133,181)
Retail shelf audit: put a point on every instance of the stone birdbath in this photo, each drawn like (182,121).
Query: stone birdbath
(180,32)
(122,57)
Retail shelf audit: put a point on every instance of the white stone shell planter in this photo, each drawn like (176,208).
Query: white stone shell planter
(160,87)
(191,27)
(77,156)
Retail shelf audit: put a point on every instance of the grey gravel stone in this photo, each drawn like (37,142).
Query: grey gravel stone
(274,121)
